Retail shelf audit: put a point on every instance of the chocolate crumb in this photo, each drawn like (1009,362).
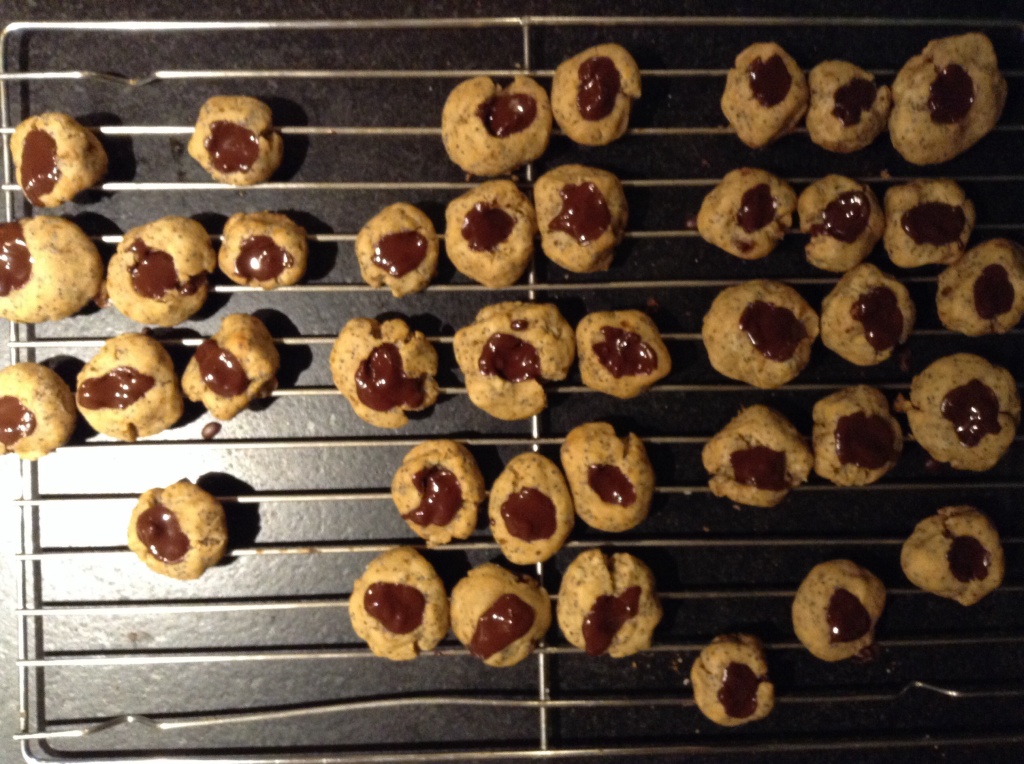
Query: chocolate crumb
(211,430)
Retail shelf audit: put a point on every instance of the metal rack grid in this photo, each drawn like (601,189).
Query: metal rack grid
(38,661)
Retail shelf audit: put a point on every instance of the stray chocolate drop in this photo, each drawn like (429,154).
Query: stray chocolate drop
(507,114)
(769,80)
(398,607)
(738,693)
(153,273)
(968,559)
(159,530)
(232,148)
(624,353)
(856,96)
(845,217)
(510,358)
(399,253)
(934,223)
(486,226)
(951,95)
(757,208)
(974,411)
(441,497)
(879,312)
(584,215)
(211,430)
(775,331)
(611,484)
(848,620)
(866,441)
(16,421)
(381,383)
(599,85)
(117,389)
(993,292)
(529,515)
(15,259)
(760,467)
(606,617)
(508,619)
(260,259)
(39,171)
(221,370)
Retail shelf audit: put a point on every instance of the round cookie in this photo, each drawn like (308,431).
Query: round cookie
(844,221)
(611,478)
(129,390)
(399,606)
(55,158)
(848,108)
(582,215)
(498,615)
(866,316)
(765,94)
(178,531)
(509,350)
(490,130)
(37,411)
(592,94)
(963,410)
(49,269)
(757,458)
(263,249)
(747,214)
(836,609)
(856,439)
(158,275)
(608,604)
(530,509)
(233,367)
(621,352)
(489,233)
(384,370)
(760,332)
(235,140)
(438,490)
(397,248)
(983,291)
(927,221)
(955,554)
(946,99)
(730,681)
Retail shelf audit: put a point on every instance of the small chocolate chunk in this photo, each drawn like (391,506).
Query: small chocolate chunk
(968,559)
(624,353)
(15,259)
(508,619)
(211,430)
(232,148)
(865,440)
(974,411)
(775,331)
(117,389)
(510,358)
(848,620)
(398,253)
(599,85)
(260,259)
(39,171)
(879,312)
(529,515)
(769,80)
(757,208)
(398,607)
(441,497)
(507,113)
(16,421)
(381,382)
(934,223)
(856,96)
(611,484)
(760,467)
(738,693)
(993,292)
(606,617)
(951,95)
(221,370)
(159,530)
(486,226)
(584,215)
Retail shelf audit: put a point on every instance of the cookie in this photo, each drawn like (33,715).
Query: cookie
(384,370)
(955,554)
(158,275)
(489,233)
(747,214)
(235,140)
(129,390)
(37,411)
(178,531)
(848,108)
(836,609)
(757,458)
(530,509)
(490,130)
(397,248)
(582,215)
(765,94)
(866,316)
(963,410)
(611,478)
(263,249)
(231,368)
(927,221)
(507,354)
(844,221)
(760,332)
(983,291)
(592,94)
(730,681)
(49,269)
(608,604)
(856,439)
(438,490)
(946,99)
(498,615)
(55,158)
(399,606)
(621,352)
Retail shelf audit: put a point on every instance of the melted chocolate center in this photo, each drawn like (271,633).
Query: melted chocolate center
(624,353)
(529,515)
(993,292)
(16,421)
(968,559)
(153,273)
(232,148)
(951,95)
(15,259)
(760,466)
(934,223)
(507,113)
(510,358)
(398,607)
(221,370)
(399,253)
(260,259)
(845,217)
(606,617)
(584,214)
(159,530)
(599,85)
(848,620)
(738,693)
(757,208)
(117,389)
(974,411)
(611,485)
(486,226)
(381,383)
(866,441)
(879,312)
(508,619)
(773,330)
(769,80)
(39,173)
(441,497)
(856,96)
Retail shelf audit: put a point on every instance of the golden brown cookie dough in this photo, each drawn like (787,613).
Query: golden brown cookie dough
(592,94)
(582,215)
(37,411)
(129,390)
(498,615)
(856,438)
(399,606)
(747,214)
(946,99)
(765,94)
(384,370)
(263,249)
(49,269)
(760,332)
(611,478)
(55,158)
(397,248)
(757,458)
(233,367)
(836,608)
(963,410)
(530,509)
(866,316)
(848,108)
(983,291)
(438,490)
(621,352)
(235,140)
(927,221)
(955,554)
(490,130)
(844,220)
(178,531)
(730,680)
(509,351)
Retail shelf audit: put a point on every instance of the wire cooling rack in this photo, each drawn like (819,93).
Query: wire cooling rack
(256,661)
